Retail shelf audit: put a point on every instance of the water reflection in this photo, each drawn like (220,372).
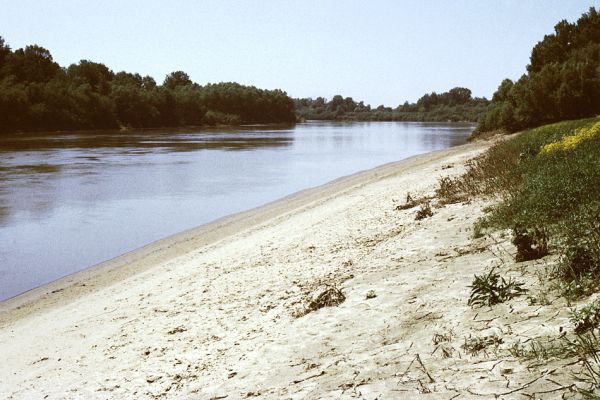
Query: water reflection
(145,141)
(71,200)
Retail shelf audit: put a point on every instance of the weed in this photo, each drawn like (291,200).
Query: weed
(490,289)
(587,348)
(409,203)
(539,298)
(441,337)
(586,318)
(331,296)
(474,345)
(542,350)
(450,190)
(424,212)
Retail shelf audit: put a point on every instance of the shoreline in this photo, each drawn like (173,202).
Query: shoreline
(227,310)
(159,251)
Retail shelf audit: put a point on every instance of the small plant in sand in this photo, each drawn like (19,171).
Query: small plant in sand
(587,348)
(540,297)
(424,212)
(411,202)
(441,337)
(586,318)
(477,344)
(491,288)
(370,294)
(450,190)
(542,350)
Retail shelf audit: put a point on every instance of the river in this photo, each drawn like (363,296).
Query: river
(72,200)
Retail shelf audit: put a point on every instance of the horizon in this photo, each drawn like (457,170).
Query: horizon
(300,48)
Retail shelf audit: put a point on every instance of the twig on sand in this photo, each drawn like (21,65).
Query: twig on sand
(310,377)
(418,359)
(431,380)
(525,386)
(558,389)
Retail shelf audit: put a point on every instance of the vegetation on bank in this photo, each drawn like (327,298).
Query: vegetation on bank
(562,80)
(546,181)
(38,94)
(455,105)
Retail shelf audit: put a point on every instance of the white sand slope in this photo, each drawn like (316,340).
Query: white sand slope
(210,313)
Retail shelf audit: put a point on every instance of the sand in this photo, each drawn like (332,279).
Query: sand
(220,311)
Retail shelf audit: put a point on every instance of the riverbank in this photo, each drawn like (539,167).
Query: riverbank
(221,311)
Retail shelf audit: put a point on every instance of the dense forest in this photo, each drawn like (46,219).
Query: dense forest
(455,105)
(562,80)
(38,94)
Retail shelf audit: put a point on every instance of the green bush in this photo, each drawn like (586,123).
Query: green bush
(554,192)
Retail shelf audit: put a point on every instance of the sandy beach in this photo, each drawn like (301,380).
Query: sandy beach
(220,312)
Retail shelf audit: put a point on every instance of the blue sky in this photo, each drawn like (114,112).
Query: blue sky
(378,51)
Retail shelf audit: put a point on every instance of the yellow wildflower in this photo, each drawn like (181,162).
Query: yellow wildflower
(571,141)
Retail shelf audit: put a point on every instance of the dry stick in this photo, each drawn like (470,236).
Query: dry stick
(409,365)
(424,389)
(552,317)
(431,380)
(494,366)
(511,391)
(565,387)
(310,377)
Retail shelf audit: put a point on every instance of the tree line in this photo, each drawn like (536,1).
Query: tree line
(38,94)
(562,80)
(457,104)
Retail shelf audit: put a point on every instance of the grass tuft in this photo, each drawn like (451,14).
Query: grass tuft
(491,289)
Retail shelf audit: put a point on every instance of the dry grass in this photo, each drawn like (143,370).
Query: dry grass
(329,296)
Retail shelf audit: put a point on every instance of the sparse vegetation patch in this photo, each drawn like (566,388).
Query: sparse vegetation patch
(490,289)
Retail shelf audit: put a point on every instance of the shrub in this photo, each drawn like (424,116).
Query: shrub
(579,245)
(547,180)
(531,243)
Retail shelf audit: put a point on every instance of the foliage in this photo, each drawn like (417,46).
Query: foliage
(531,244)
(555,191)
(569,142)
(562,80)
(491,289)
(587,317)
(38,94)
(454,105)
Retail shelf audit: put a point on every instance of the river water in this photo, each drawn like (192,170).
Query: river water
(71,200)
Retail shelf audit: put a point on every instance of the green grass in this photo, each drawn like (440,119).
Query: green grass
(556,193)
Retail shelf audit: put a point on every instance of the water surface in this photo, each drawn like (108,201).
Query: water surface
(71,200)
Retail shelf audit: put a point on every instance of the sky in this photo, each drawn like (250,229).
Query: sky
(379,51)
